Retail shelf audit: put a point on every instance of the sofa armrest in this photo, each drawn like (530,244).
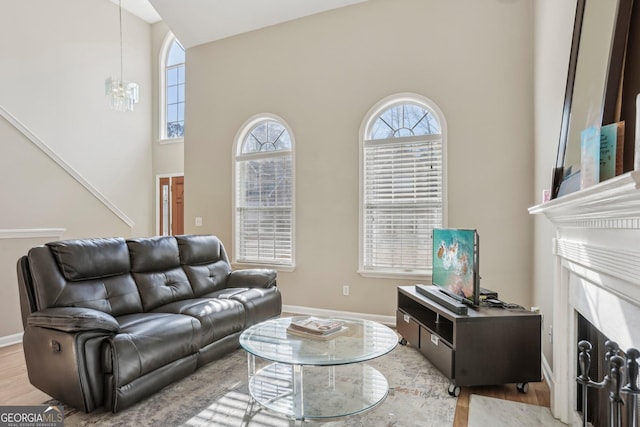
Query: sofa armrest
(73,319)
(66,365)
(252,278)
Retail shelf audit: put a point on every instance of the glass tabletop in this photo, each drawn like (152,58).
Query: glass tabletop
(361,340)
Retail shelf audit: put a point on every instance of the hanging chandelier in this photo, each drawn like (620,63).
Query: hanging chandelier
(122,94)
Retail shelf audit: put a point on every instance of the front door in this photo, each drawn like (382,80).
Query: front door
(171,205)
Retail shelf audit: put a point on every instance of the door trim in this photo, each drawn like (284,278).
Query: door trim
(157,198)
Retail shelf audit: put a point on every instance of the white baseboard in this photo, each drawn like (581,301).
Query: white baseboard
(11,339)
(310,311)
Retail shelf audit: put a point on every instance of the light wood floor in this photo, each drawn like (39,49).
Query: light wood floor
(538,394)
(15,388)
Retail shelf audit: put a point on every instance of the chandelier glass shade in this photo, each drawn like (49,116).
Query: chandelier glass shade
(122,94)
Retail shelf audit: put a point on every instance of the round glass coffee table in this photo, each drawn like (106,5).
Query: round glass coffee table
(309,378)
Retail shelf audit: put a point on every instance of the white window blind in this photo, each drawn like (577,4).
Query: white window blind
(264,197)
(402,193)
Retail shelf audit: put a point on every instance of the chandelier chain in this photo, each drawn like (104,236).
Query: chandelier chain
(121,62)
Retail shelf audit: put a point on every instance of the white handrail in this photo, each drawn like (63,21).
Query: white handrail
(64,165)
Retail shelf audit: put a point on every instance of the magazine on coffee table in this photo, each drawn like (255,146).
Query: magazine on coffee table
(314,336)
(316,325)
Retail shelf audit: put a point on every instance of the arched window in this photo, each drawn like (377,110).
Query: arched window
(172,89)
(264,193)
(401,186)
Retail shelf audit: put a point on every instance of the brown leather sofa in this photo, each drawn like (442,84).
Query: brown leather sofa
(110,321)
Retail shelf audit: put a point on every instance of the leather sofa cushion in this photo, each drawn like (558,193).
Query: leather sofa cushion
(73,319)
(201,249)
(148,341)
(218,317)
(207,278)
(162,287)
(225,293)
(91,258)
(260,304)
(153,254)
(155,263)
(115,295)
(205,262)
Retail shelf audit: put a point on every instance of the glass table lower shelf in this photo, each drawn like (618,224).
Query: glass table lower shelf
(318,392)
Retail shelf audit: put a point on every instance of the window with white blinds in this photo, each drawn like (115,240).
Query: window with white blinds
(263,199)
(401,189)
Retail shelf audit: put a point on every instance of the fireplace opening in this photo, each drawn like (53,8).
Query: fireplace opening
(598,399)
(597,408)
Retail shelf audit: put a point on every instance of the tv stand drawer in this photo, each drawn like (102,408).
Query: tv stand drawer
(437,351)
(408,328)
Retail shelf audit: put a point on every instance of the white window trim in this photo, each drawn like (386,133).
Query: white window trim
(277,267)
(162,92)
(237,152)
(365,127)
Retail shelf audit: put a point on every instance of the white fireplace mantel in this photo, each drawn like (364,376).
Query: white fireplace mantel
(614,203)
(597,274)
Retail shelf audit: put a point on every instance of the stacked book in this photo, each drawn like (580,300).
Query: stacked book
(316,328)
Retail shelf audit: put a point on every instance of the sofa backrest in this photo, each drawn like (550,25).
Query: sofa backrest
(119,276)
(205,262)
(90,273)
(155,265)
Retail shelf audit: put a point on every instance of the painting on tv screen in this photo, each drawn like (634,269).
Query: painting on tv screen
(453,258)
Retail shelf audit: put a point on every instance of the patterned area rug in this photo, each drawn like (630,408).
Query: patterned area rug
(488,411)
(217,395)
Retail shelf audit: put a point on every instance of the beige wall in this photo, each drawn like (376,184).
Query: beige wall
(55,58)
(12,248)
(321,74)
(553,33)
(168,158)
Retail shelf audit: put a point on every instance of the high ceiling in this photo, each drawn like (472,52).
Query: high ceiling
(142,9)
(196,22)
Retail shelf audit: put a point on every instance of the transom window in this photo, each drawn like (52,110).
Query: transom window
(263,196)
(402,191)
(174,90)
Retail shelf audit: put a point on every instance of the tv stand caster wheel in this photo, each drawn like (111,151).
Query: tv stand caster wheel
(453,390)
(522,387)
(402,341)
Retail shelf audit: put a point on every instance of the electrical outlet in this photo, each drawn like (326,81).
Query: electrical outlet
(345,290)
(198,221)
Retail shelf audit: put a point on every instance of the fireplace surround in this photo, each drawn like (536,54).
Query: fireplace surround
(597,274)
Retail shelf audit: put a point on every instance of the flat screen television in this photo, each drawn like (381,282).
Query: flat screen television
(456,263)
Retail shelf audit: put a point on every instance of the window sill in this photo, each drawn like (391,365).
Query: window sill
(409,275)
(277,267)
(171,141)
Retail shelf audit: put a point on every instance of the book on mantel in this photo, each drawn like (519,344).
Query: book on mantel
(589,157)
(611,150)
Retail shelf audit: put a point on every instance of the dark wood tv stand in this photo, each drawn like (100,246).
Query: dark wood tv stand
(486,346)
